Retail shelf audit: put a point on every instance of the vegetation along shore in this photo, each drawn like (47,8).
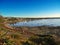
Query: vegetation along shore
(39,35)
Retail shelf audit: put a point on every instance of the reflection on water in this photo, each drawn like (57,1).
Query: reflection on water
(46,22)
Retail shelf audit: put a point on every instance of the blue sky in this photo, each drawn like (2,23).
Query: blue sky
(30,8)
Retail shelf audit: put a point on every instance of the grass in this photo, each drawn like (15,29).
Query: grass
(13,37)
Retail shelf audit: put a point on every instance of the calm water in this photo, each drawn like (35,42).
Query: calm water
(43,22)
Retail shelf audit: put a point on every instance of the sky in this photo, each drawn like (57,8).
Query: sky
(30,8)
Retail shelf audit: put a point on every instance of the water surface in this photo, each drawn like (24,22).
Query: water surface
(42,22)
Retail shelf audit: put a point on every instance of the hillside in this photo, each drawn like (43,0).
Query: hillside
(26,35)
(10,34)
